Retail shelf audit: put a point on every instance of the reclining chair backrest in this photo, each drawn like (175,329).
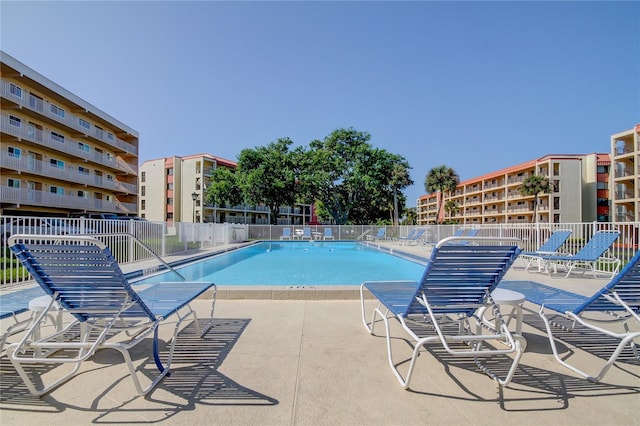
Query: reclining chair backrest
(458,278)
(82,273)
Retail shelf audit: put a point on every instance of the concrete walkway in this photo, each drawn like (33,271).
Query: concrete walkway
(311,362)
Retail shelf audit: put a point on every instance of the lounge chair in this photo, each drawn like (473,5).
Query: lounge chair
(81,275)
(381,234)
(550,247)
(306,234)
(470,232)
(617,302)
(457,281)
(328,234)
(588,256)
(409,236)
(413,239)
(286,234)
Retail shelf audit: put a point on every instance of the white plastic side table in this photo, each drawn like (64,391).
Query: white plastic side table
(510,298)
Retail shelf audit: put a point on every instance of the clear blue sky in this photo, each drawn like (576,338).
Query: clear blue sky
(477,86)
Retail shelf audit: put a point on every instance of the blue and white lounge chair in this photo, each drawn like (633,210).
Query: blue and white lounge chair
(412,238)
(328,234)
(617,302)
(550,247)
(81,275)
(286,234)
(588,256)
(381,235)
(306,234)
(458,280)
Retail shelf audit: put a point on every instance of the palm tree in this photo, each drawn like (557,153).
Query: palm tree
(441,178)
(451,207)
(535,185)
(399,179)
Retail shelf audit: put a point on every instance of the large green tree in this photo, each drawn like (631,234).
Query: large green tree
(535,185)
(354,181)
(441,179)
(224,188)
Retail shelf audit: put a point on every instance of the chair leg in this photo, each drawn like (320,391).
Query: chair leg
(628,338)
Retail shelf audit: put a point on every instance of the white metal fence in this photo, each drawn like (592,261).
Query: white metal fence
(165,239)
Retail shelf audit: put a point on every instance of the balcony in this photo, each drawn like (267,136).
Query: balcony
(39,168)
(33,103)
(25,196)
(69,147)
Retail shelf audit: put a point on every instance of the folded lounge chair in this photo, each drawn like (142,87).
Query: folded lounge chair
(550,247)
(85,280)
(617,302)
(588,256)
(458,280)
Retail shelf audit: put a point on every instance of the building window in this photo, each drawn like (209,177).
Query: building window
(602,185)
(83,194)
(110,177)
(56,163)
(84,123)
(99,132)
(15,90)
(602,169)
(84,147)
(170,171)
(83,170)
(110,136)
(143,177)
(15,121)
(57,137)
(170,187)
(58,190)
(198,166)
(14,152)
(556,203)
(57,110)
(143,204)
(169,216)
(108,197)
(143,190)
(13,183)
(169,201)
(109,156)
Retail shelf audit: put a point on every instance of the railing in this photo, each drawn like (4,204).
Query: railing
(28,196)
(34,103)
(68,146)
(166,240)
(70,173)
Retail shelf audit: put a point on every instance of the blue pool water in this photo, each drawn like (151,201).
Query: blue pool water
(300,263)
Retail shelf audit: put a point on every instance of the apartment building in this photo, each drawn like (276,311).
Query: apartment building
(625,161)
(173,189)
(58,153)
(580,194)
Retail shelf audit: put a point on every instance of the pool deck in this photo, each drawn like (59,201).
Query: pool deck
(311,362)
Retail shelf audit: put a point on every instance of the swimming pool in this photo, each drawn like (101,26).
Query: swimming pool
(298,263)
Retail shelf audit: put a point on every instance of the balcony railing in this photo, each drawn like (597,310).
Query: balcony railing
(31,102)
(41,198)
(69,174)
(68,146)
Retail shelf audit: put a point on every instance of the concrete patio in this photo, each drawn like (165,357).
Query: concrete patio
(311,362)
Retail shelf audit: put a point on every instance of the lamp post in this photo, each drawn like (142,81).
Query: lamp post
(194,197)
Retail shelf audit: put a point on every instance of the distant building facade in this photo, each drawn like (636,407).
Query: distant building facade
(580,194)
(173,189)
(58,153)
(625,159)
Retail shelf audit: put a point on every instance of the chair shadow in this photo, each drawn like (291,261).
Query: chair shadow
(531,389)
(194,378)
